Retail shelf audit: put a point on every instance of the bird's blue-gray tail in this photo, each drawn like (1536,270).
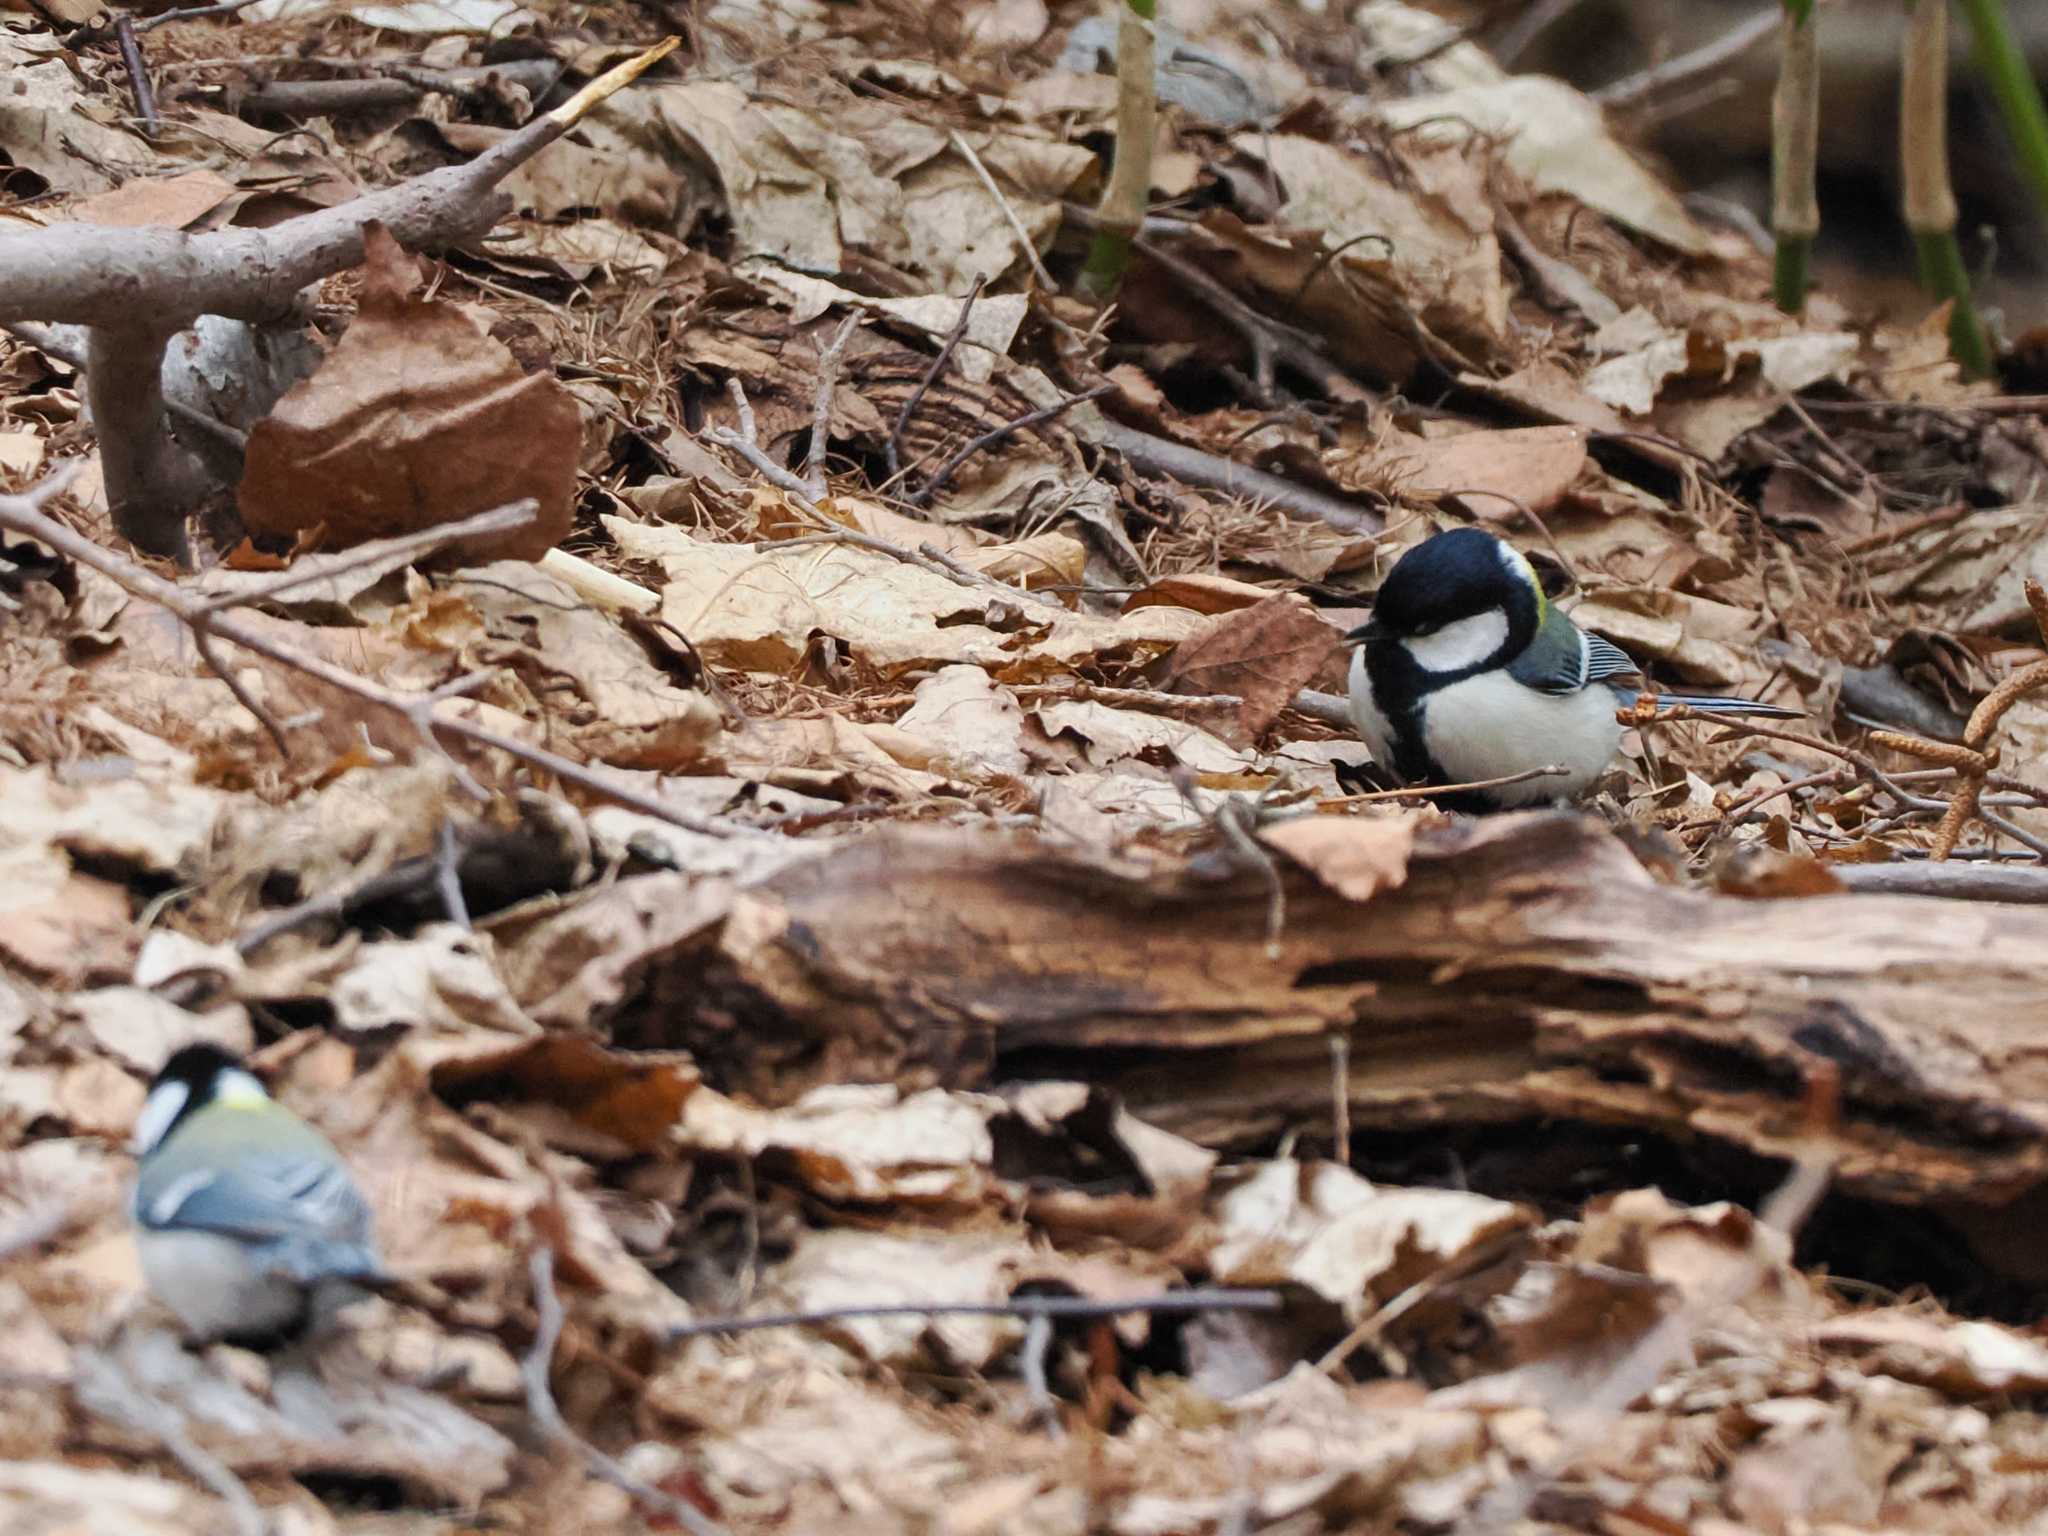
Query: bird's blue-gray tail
(1716,704)
(309,1260)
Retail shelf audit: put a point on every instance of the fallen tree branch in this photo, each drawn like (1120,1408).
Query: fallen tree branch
(1157,456)
(396,86)
(138,287)
(1505,971)
(1951,879)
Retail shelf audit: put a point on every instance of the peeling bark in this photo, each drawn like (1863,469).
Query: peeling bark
(1528,967)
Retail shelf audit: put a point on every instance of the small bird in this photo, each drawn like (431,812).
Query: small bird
(249,1226)
(1466,672)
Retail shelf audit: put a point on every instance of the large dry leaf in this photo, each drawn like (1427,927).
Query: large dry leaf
(1495,475)
(1265,655)
(416,419)
(759,608)
(1557,141)
(1321,1226)
(1430,227)
(1357,857)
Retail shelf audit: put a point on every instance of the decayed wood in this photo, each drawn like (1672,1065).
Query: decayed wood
(1527,967)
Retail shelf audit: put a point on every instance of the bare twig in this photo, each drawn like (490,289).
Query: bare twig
(448,874)
(1428,791)
(138,75)
(1166,1303)
(1953,878)
(541,1407)
(396,85)
(1676,73)
(747,445)
(999,434)
(137,287)
(1038,1336)
(227,9)
(1158,456)
(1976,757)
(1025,245)
(821,411)
(1271,341)
(1340,1095)
(419,711)
(106,1389)
(892,451)
(1237,821)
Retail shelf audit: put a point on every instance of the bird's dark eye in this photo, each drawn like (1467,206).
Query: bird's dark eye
(1425,629)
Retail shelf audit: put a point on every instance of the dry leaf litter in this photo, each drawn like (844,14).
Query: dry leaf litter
(867,874)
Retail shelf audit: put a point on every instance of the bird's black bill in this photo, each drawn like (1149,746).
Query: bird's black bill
(1715,704)
(1371,629)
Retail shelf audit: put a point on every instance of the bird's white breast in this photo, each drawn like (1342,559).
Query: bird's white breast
(1491,727)
(214,1285)
(1373,729)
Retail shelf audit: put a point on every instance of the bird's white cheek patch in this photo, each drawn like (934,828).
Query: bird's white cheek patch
(158,1111)
(1460,643)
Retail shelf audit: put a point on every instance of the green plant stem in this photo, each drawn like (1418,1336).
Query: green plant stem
(1943,274)
(1930,203)
(1122,212)
(2013,87)
(1791,260)
(1795,141)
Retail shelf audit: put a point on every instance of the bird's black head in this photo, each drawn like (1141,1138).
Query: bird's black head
(196,1075)
(1458,575)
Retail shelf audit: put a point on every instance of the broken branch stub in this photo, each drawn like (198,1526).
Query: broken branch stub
(1526,968)
(141,286)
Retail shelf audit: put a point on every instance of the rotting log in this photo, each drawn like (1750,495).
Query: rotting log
(1526,968)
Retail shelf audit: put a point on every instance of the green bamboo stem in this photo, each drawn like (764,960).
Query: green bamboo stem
(1122,212)
(1930,202)
(1943,274)
(1795,151)
(2013,87)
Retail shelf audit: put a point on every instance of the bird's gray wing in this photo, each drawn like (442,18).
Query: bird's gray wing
(1562,658)
(1605,662)
(256,1202)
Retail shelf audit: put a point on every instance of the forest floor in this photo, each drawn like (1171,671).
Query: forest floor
(873,835)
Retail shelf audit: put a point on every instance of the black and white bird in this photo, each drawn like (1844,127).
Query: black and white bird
(248,1224)
(1467,672)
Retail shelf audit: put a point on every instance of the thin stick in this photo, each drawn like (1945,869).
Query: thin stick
(1024,240)
(938,565)
(22,514)
(990,439)
(893,449)
(1674,73)
(138,76)
(105,1388)
(540,1405)
(1340,1094)
(1166,1303)
(1425,791)
(228,9)
(821,406)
